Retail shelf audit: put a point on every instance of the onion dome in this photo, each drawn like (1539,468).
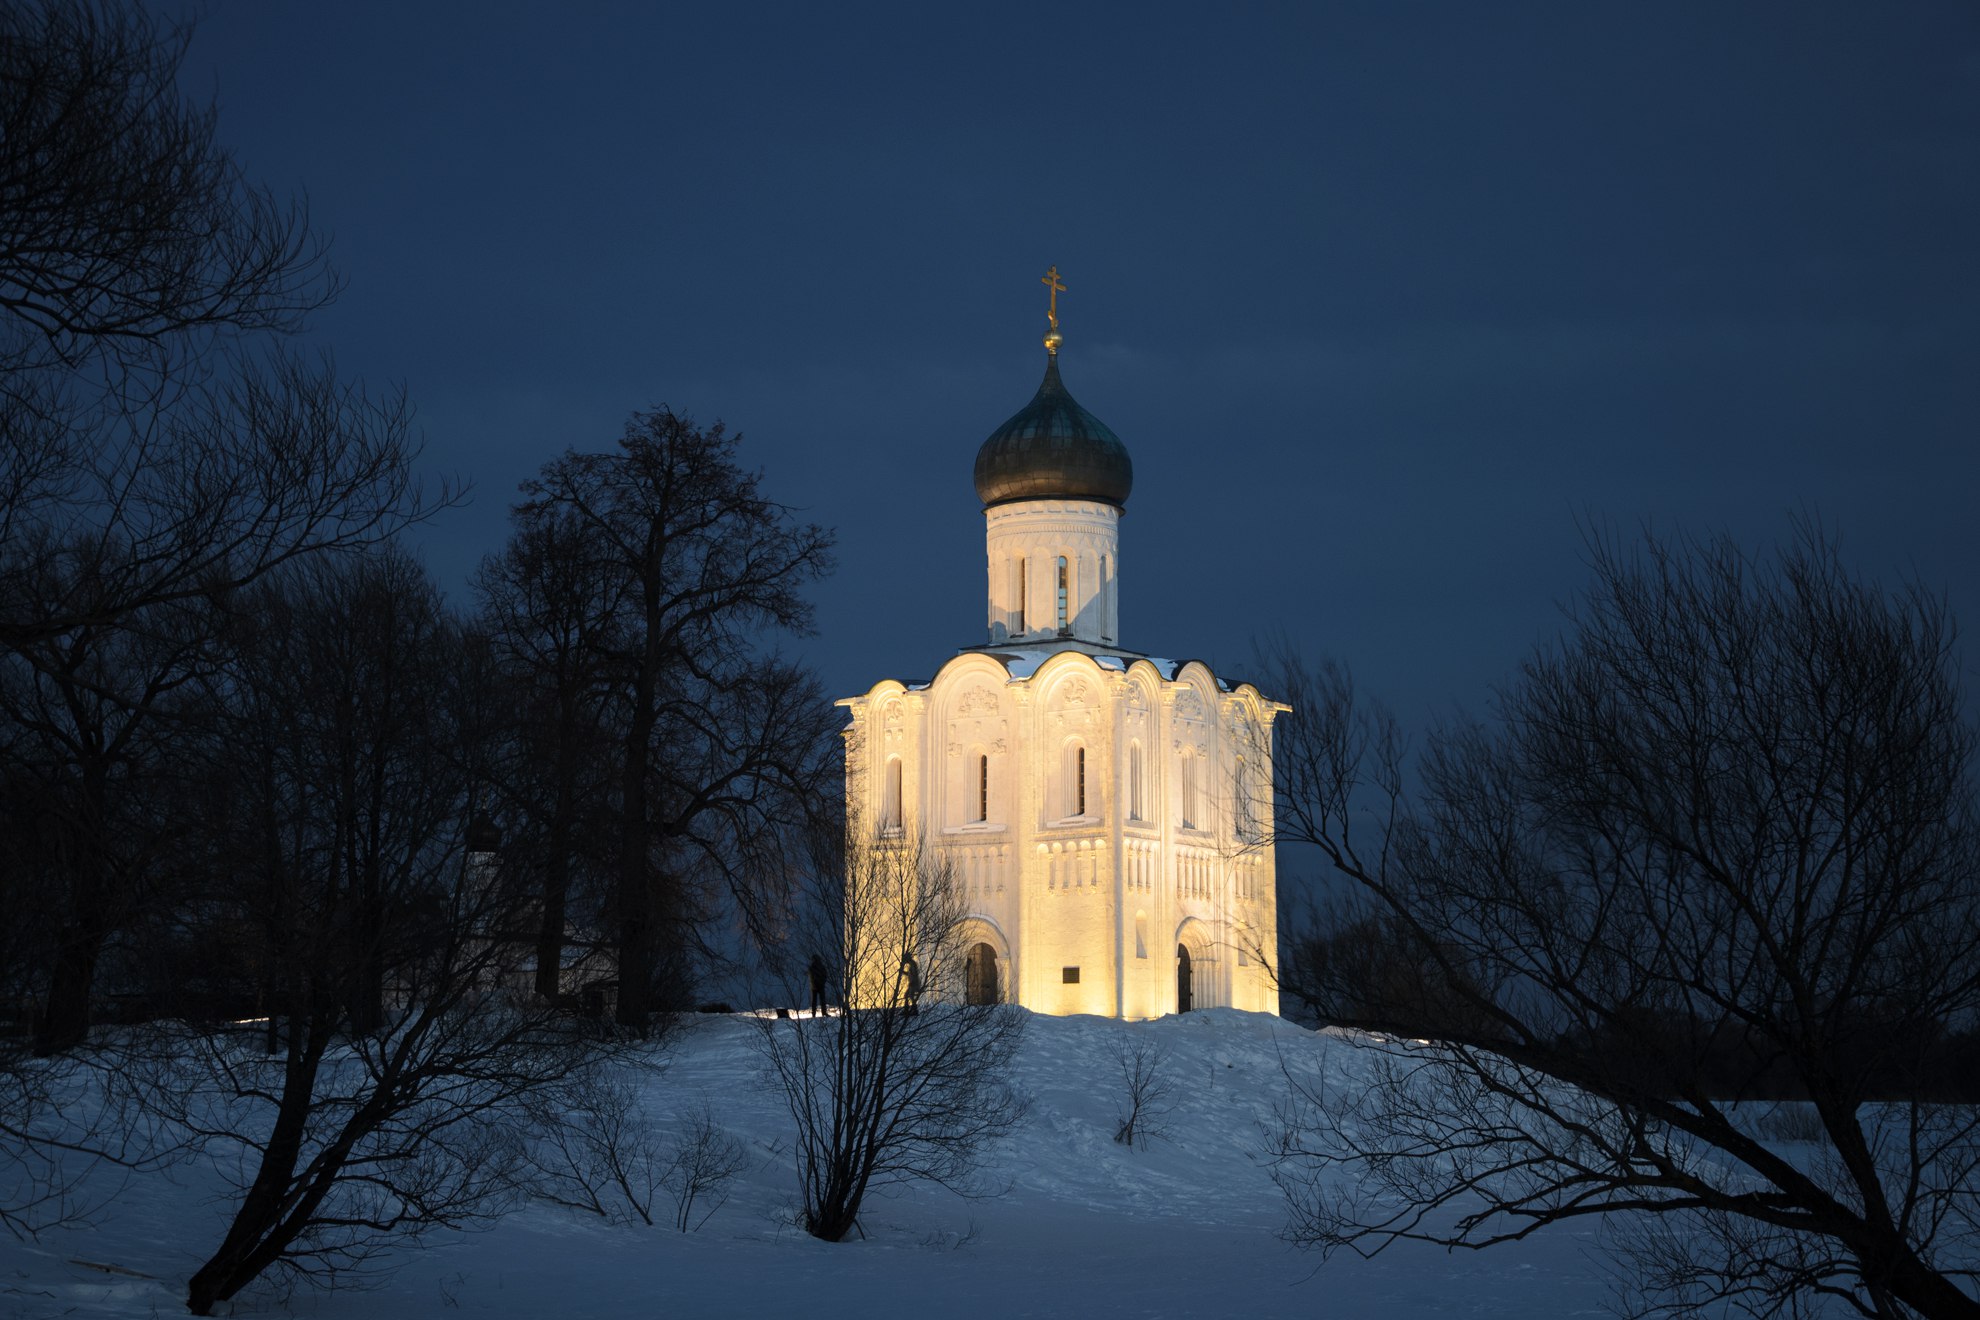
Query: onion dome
(1053,449)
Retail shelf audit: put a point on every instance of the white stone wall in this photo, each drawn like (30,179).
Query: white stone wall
(1162,849)
(1025,542)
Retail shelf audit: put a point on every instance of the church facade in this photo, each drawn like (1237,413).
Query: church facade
(1105,813)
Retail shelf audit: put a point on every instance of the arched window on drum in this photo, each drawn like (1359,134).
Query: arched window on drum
(893,817)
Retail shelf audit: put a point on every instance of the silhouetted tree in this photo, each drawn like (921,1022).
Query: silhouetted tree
(123,224)
(909,1081)
(92,712)
(157,455)
(1734,804)
(403,1047)
(147,459)
(146,468)
(549,607)
(715,741)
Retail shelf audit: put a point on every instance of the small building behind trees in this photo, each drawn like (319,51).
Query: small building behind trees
(1106,813)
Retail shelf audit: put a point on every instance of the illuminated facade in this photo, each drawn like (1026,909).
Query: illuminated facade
(1106,814)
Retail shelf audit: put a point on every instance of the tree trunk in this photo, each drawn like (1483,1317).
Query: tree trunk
(1925,1290)
(550,931)
(64,1020)
(254,1239)
(635,886)
(556,883)
(635,839)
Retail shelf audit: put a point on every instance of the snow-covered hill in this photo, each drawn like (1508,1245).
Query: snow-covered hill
(1078,1225)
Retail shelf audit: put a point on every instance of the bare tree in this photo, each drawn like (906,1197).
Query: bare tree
(1719,852)
(1147,1091)
(70,1136)
(157,456)
(595,1149)
(148,453)
(123,224)
(148,467)
(154,507)
(402,1049)
(706,1158)
(72,1132)
(716,740)
(94,713)
(909,1081)
(550,607)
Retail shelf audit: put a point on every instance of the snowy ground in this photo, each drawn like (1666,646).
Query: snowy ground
(1086,1227)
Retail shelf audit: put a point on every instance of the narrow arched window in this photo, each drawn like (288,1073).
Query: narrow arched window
(1079,781)
(1065,594)
(1189,792)
(891,815)
(1023,565)
(983,788)
(1106,599)
(1134,781)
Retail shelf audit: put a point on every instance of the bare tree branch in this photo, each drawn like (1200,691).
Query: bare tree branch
(1719,854)
(908,1081)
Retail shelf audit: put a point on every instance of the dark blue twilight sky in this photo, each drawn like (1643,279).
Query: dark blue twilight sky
(1382,298)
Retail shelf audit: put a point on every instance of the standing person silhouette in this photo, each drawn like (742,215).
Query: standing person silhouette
(818,1004)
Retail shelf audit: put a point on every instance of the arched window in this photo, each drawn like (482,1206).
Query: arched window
(1068,791)
(1106,599)
(983,788)
(891,815)
(1189,811)
(1065,594)
(1134,781)
(1023,564)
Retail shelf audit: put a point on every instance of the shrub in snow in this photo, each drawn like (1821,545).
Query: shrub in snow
(907,1082)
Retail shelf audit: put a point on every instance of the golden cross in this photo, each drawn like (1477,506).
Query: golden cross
(1051,281)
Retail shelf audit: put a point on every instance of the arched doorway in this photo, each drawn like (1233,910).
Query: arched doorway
(980,975)
(1183,976)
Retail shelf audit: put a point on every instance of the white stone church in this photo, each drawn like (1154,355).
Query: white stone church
(1107,813)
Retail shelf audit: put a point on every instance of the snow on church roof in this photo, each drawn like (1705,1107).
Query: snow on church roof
(1023,662)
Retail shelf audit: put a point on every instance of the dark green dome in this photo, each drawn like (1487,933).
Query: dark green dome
(1053,449)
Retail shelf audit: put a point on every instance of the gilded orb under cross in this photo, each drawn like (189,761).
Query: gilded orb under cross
(1052,337)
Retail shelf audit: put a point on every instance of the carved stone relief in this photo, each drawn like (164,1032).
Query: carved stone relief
(1077,719)
(991,734)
